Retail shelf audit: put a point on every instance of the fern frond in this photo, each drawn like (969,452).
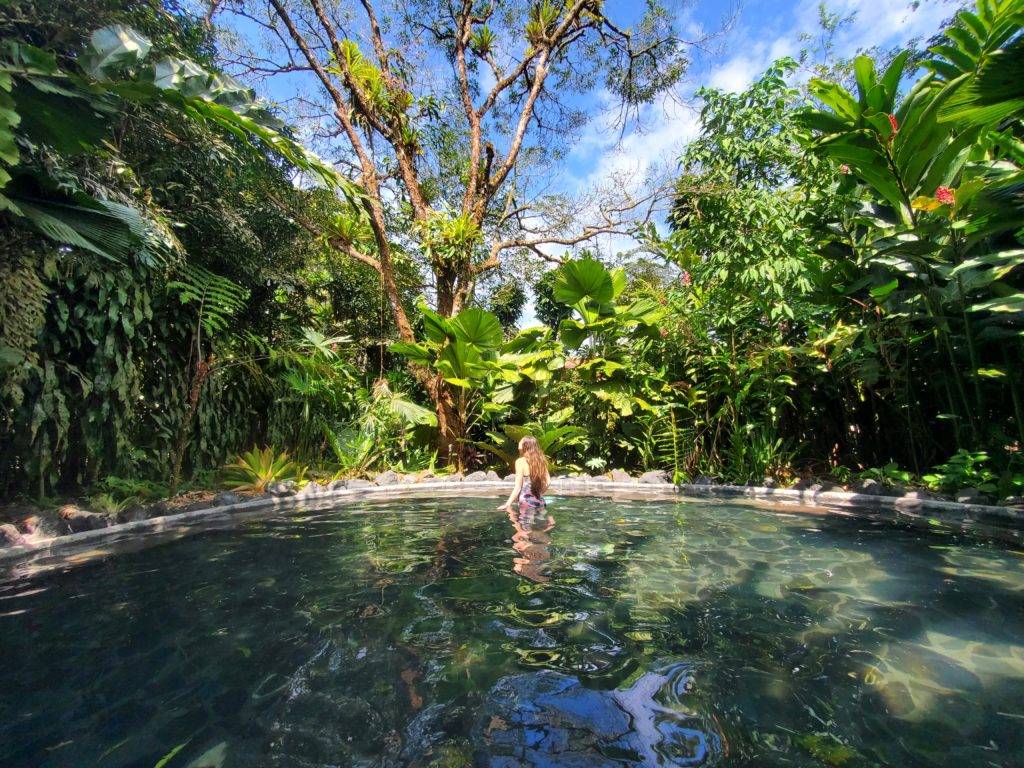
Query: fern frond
(218,297)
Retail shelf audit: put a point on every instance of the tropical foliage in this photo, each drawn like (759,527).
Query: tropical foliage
(149,280)
(839,291)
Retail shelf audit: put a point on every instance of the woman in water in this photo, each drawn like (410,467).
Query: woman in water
(531,477)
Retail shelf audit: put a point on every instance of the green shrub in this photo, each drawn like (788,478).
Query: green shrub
(964,469)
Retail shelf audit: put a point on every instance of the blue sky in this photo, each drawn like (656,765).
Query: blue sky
(761,32)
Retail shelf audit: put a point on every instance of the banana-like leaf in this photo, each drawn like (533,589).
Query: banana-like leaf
(836,98)
(113,48)
(619,281)
(995,93)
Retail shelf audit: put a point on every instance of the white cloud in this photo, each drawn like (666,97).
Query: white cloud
(877,22)
(608,157)
(736,74)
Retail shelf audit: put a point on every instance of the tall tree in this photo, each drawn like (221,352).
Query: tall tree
(451,113)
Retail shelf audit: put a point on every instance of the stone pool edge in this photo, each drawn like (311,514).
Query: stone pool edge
(1009,520)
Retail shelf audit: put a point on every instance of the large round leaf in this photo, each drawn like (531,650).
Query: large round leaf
(583,279)
(477,327)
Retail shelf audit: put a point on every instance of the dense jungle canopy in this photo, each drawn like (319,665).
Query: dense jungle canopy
(330,230)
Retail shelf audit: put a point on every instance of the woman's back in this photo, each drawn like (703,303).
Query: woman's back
(531,475)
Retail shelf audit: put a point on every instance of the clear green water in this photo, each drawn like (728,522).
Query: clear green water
(437,633)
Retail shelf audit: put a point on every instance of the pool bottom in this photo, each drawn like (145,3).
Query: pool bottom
(622,632)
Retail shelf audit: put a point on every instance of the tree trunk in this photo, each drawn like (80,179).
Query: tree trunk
(451,424)
(199,376)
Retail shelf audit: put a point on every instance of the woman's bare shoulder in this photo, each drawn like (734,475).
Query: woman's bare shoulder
(522,464)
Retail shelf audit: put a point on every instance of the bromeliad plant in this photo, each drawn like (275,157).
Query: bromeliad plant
(257,468)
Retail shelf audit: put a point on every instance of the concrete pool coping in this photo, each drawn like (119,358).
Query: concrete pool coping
(1005,523)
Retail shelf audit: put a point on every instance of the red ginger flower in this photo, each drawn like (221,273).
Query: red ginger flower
(844,169)
(893,124)
(945,195)
(685,278)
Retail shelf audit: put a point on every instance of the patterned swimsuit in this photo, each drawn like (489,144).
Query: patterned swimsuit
(527,498)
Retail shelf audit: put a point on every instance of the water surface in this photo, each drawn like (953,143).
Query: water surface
(445,633)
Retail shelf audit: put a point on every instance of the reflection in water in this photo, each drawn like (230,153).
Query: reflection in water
(657,634)
(531,542)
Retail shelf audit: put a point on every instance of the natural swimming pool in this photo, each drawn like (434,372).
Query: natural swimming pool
(443,633)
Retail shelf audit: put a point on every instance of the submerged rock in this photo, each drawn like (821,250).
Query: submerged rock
(78,520)
(509,477)
(429,734)
(654,477)
(550,719)
(358,482)
(492,475)
(704,480)
(473,477)
(336,485)
(620,476)
(1012,501)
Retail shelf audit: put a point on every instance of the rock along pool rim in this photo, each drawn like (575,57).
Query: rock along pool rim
(1003,523)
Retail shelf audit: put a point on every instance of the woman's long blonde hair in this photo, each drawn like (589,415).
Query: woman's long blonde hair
(530,450)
